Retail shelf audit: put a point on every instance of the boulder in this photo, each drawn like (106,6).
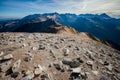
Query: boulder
(109,67)
(34,48)
(29,75)
(95,72)
(67,61)
(7,57)
(103,78)
(56,47)
(75,73)
(23,44)
(66,52)
(5,66)
(76,48)
(84,75)
(52,54)
(28,57)
(106,63)
(58,66)
(15,74)
(41,47)
(44,77)
(80,60)
(90,54)
(90,63)
(72,63)
(1,53)
(38,69)
(76,70)
(16,66)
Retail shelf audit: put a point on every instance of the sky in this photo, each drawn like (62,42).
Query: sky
(21,8)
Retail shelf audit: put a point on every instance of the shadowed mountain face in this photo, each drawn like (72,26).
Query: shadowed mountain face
(48,26)
(101,26)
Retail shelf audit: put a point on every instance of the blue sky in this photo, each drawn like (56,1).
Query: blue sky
(21,8)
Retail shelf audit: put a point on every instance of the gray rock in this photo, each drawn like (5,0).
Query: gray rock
(44,77)
(15,74)
(28,57)
(52,54)
(106,63)
(62,39)
(38,69)
(76,70)
(72,63)
(109,67)
(1,53)
(23,45)
(41,47)
(34,48)
(90,54)
(5,66)
(80,60)
(66,52)
(67,61)
(76,48)
(7,57)
(84,75)
(75,75)
(95,72)
(56,47)
(90,63)
(29,75)
(58,66)
(16,66)
(103,78)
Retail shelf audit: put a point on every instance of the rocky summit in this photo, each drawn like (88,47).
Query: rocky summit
(43,56)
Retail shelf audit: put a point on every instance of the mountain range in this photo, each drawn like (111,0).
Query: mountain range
(100,25)
(55,46)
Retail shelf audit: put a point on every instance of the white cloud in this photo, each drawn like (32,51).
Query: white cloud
(89,6)
(69,6)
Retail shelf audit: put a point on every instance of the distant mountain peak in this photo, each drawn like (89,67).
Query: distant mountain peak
(104,15)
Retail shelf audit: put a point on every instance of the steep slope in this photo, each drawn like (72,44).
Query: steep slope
(41,56)
(103,28)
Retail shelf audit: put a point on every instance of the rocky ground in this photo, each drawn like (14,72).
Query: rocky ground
(42,56)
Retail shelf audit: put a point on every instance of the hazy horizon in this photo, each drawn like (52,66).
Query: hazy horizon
(22,8)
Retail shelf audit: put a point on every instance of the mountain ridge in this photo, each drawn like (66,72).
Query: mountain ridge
(100,25)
